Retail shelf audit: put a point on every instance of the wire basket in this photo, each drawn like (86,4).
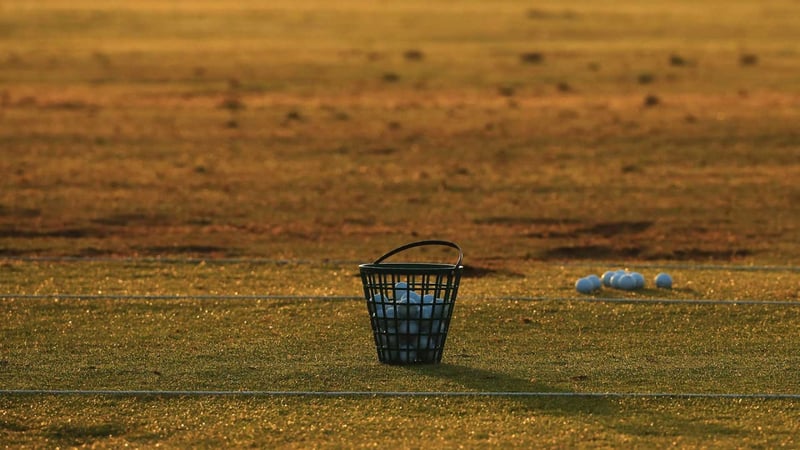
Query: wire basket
(410,305)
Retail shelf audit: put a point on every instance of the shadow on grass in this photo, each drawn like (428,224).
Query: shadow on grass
(78,435)
(635,417)
(482,380)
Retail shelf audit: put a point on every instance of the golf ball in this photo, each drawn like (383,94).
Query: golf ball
(663,280)
(584,286)
(639,280)
(384,311)
(400,289)
(413,297)
(626,282)
(407,354)
(616,277)
(597,283)
(406,310)
(408,327)
(607,278)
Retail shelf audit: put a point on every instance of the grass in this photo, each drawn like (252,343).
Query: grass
(411,422)
(312,345)
(557,344)
(119,126)
(189,148)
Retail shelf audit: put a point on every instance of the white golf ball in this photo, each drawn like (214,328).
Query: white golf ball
(663,280)
(379,300)
(626,282)
(405,310)
(584,286)
(414,298)
(407,355)
(384,311)
(408,327)
(639,280)
(426,312)
(616,277)
(401,289)
(597,283)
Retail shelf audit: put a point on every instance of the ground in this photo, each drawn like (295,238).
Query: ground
(187,190)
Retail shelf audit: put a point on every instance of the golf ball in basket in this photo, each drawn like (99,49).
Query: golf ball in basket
(384,311)
(407,311)
(401,289)
(407,354)
(412,297)
(663,280)
(408,327)
(584,286)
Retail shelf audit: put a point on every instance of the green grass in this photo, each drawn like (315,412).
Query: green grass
(412,422)
(659,136)
(558,344)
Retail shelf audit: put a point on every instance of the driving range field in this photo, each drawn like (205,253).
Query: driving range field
(187,189)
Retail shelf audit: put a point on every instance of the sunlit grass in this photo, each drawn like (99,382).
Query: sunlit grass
(559,344)
(298,139)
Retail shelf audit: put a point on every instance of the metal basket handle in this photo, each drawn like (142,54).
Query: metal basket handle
(423,243)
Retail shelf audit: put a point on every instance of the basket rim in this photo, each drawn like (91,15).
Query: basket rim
(406,267)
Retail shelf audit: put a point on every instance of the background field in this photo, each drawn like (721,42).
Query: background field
(238,155)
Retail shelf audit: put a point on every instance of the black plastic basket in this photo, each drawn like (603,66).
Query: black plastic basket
(410,305)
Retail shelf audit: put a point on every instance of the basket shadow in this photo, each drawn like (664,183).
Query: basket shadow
(482,380)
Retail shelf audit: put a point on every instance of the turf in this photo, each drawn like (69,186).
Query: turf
(534,335)
(186,191)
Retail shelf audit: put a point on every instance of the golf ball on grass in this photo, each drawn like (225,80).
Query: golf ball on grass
(616,277)
(639,278)
(606,278)
(584,286)
(663,281)
(596,281)
(626,282)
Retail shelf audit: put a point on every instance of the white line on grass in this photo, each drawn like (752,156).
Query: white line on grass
(175,297)
(156,260)
(679,266)
(223,393)
(341,262)
(667,301)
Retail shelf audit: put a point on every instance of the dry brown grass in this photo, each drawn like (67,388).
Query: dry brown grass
(119,137)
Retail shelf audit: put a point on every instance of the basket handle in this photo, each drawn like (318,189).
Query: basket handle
(423,243)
